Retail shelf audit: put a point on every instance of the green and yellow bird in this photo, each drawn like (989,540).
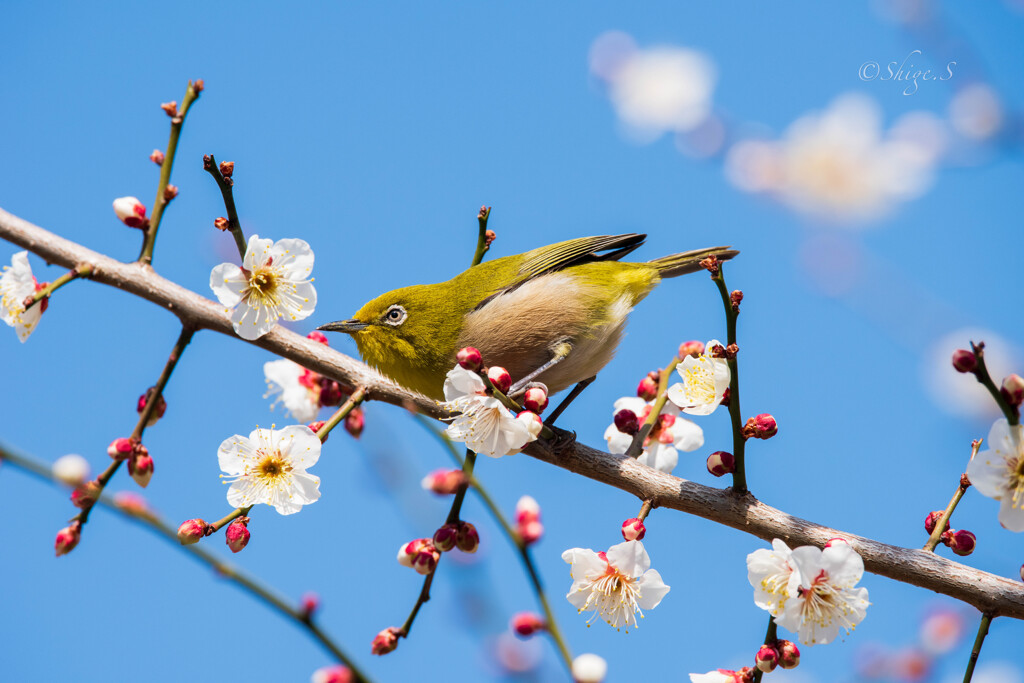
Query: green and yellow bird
(555,314)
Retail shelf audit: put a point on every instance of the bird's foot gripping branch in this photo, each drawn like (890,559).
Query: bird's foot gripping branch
(573,297)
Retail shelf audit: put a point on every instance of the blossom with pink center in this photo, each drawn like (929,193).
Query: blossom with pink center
(269,466)
(705,379)
(616,585)
(294,386)
(670,434)
(483,423)
(998,472)
(17,284)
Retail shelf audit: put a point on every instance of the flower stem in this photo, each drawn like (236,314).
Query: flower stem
(739,476)
(82,270)
(160,203)
(981,372)
(645,510)
(235,514)
(225,185)
(940,525)
(467,469)
(525,556)
(172,361)
(770,636)
(357,397)
(636,447)
(481,240)
(248,583)
(986,619)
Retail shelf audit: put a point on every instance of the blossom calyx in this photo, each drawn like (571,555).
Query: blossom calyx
(85,495)
(470,358)
(237,534)
(721,463)
(386,641)
(354,422)
(762,426)
(420,555)
(157,157)
(227,168)
(122,448)
(131,212)
(633,529)
(192,530)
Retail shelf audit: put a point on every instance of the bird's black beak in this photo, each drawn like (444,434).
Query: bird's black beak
(347,326)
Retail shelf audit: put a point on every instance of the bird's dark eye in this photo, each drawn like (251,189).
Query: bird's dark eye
(395,315)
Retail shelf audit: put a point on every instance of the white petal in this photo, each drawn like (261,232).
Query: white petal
(243,493)
(652,589)
(629,557)
(687,435)
(299,446)
(1011,516)
(233,454)
(461,382)
(660,457)
(618,442)
(257,252)
(307,488)
(845,567)
(989,474)
(633,403)
(27,321)
(295,257)
(298,299)
(227,282)
(252,323)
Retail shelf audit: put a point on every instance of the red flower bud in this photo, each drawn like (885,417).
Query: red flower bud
(140,466)
(1013,389)
(419,554)
(965,361)
(339,673)
(627,422)
(963,542)
(85,495)
(386,641)
(633,529)
(789,654)
(500,378)
(470,358)
(531,532)
(690,348)
(191,531)
(767,658)
(157,157)
(237,534)
(227,168)
(647,389)
(721,463)
(309,604)
(932,519)
(467,540)
(525,624)
(444,482)
(68,538)
(331,392)
(131,212)
(158,410)
(444,538)
(120,449)
(762,426)
(318,336)
(316,427)
(535,399)
(354,422)
(170,192)
(221,223)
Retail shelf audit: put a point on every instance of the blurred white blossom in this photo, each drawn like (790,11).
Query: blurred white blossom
(976,112)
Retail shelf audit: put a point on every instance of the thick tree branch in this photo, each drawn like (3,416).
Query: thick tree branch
(991,594)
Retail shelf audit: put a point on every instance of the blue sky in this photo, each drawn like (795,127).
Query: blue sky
(375,134)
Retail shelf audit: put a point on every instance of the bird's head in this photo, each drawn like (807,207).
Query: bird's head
(408,334)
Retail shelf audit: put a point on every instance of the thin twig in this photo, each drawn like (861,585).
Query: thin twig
(636,446)
(357,397)
(226,191)
(771,635)
(739,475)
(986,620)
(940,525)
(481,240)
(83,270)
(981,372)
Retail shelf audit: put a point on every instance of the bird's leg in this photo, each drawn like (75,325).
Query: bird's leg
(559,352)
(576,391)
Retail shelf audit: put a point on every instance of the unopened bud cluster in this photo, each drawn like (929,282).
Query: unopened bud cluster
(762,426)
(528,524)
(419,554)
(961,542)
(782,653)
(461,535)
(158,410)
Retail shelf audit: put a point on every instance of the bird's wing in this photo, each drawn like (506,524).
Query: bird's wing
(577,251)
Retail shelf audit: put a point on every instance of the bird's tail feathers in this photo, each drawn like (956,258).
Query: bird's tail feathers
(689,261)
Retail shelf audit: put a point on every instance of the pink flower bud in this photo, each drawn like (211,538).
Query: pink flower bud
(647,389)
(963,542)
(132,504)
(331,392)
(527,510)
(470,358)
(85,495)
(762,426)
(1013,389)
(309,604)
(316,427)
(191,531)
(533,423)
(531,532)
(318,336)
(500,378)
(932,519)
(627,422)
(691,348)
(338,673)
(386,641)
(444,538)
(789,654)
(767,659)
(525,624)
(170,192)
(157,157)
(68,538)
(444,482)
(141,467)
(408,551)
(237,534)
(121,449)
(420,554)
(354,422)
(964,361)
(131,212)
(633,529)
(535,399)
(721,463)
(468,540)
(158,410)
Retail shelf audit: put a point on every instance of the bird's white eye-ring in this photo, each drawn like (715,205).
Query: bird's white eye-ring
(395,315)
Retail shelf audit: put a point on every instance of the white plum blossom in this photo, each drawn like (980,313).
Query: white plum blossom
(273,282)
(72,469)
(723,676)
(615,585)
(295,389)
(705,379)
(998,472)
(270,467)
(483,424)
(669,435)
(810,591)
(589,668)
(16,284)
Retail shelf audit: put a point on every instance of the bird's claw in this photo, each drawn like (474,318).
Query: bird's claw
(563,441)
